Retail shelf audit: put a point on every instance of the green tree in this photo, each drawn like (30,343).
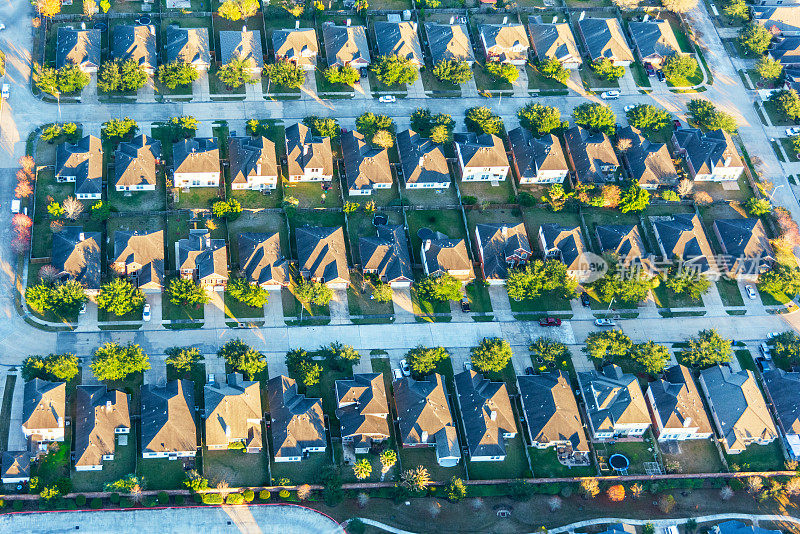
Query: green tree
(651,356)
(785,350)
(55,210)
(767,68)
(455,490)
(595,117)
(554,69)
(314,292)
(252,295)
(177,73)
(185,292)
(648,117)
(242,358)
(416,479)
(183,359)
(117,75)
(300,364)
(362,469)
(456,71)
(51,132)
(781,279)
(440,288)
(757,206)
(737,9)
(382,292)
(788,102)
(555,197)
(341,356)
(323,127)
(126,484)
(195,482)
(438,127)
(118,129)
(634,199)
(230,208)
(605,68)
(755,38)
(707,116)
(46,79)
(383,139)
(678,68)
(182,127)
(687,280)
(133,76)
(491,355)
(53,367)
(369,124)
(388,458)
(483,120)
(607,345)
(236,72)
(549,350)
(539,119)
(109,78)
(539,276)
(628,286)
(423,360)
(394,70)
(708,348)
(346,75)
(120,297)
(502,71)
(112,361)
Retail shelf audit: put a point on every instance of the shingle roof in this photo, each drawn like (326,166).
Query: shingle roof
(98,413)
(16,464)
(297,421)
(296,44)
(589,151)
(362,407)
(188,45)
(135,161)
(784,390)
(233,412)
(650,164)
(147,250)
(84,161)
(250,157)
(777,19)
(78,253)
(554,41)
(486,413)
(567,240)
(137,42)
(387,253)
(304,150)
(399,39)
(786,50)
(737,527)
(261,258)
(506,42)
(168,423)
(208,256)
(364,164)
(484,150)
(613,398)
(654,38)
(604,39)
(321,253)
(551,411)
(683,238)
(43,404)
(245,45)
(422,160)
(677,402)
(623,240)
(708,151)
(199,154)
(449,41)
(344,44)
(534,154)
(746,241)
(443,255)
(499,243)
(78,47)
(422,409)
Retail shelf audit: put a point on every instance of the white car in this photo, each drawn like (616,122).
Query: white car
(387,99)
(83,309)
(764,349)
(629,107)
(404,368)
(604,322)
(751,292)
(773,335)
(146,312)
(6,91)
(15,205)
(610,95)
(794,131)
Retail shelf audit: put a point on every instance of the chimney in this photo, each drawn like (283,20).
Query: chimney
(208,239)
(687,422)
(555,19)
(493,415)
(427,245)
(305,150)
(583,14)
(504,231)
(414,25)
(83,25)
(727,161)
(108,406)
(81,236)
(421,161)
(297,25)
(244,28)
(258,169)
(347,22)
(505,19)
(452,20)
(152,29)
(424,436)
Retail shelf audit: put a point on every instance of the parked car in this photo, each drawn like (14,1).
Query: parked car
(465,305)
(793,131)
(6,91)
(15,205)
(604,322)
(468,365)
(648,68)
(629,107)
(406,370)
(529,370)
(763,348)
(387,99)
(549,321)
(751,292)
(397,374)
(676,124)
(585,300)
(610,95)
(211,378)
(773,335)
(660,75)
(146,312)
(83,309)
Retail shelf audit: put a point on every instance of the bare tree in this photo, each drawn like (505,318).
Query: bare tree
(685,187)
(726,493)
(435,508)
(303,492)
(48,274)
(754,484)
(624,144)
(792,487)
(626,5)
(362,499)
(27,163)
(554,503)
(72,208)
(56,226)
(679,6)
(476,503)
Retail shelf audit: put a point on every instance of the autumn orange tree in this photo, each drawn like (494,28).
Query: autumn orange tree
(616,493)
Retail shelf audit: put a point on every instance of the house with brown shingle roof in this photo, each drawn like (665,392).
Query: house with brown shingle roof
(654,41)
(778,20)
(244,45)
(442,255)
(203,259)
(76,256)
(554,41)
(366,166)
(140,258)
(448,42)
(188,45)
(649,164)
(681,237)
(101,415)
(253,165)
(481,158)
(15,467)
(614,404)
(79,47)
(298,45)
(422,162)
(169,429)
(386,255)
(196,162)
(506,43)
(399,39)
(591,154)
(362,410)
(565,243)
(298,424)
(322,256)
(135,164)
(81,163)
(309,157)
(233,414)
(262,261)
(676,407)
(346,46)
(136,42)
(603,39)
(782,389)
(710,156)
(43,411)
(486,415)
(625,243)
(501,247)
(745,246)
(537,160)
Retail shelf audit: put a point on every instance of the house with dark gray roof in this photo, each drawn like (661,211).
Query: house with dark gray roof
(298,45)
(654,41)
(366,166)
(203,259)
(44,407)
(745,246)
(779,20)
(196,162)
(486,415)
(448,42)
(737,407)
(386,255)
(425,419)
(168,425)
(322,256)
(76,256)
(135,164)
(481,158)
(625,243)
(591,154)
(614,403)
(603,39)
(15,467)
(233,414)
(309,157)
(188,45)
(501,247)
(787,51)
(346,46)
(102,417)
(81,163)
(552,417)
(244,45)
(565,244)
(422,162)
(506,43)
(79,47)
(298,424)
(681,237)
(620,528)
(676,407)
(399,39)
(262,260)
(253,164)
(737,527)
(649,164)
(362,410)
(710,156)
(441,255)
(140,258)
(782,389)
(554,41)
(537,160)
(136,42)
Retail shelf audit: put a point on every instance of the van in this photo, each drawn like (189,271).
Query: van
(15,205)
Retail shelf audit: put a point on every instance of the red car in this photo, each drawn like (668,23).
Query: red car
(549,321)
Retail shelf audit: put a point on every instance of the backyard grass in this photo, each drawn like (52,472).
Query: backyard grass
(545,464)
(311,194)
(514,466)
(448,222)
(236,467)
(758,458)
(162,473)
(199,197)
(55,464)
(691,456)
(266,222)
(502,193)
(5,408)
(140,201)
(308,470)
(359,224)
(426,457)
(729,292)
(124,462)
(636,451)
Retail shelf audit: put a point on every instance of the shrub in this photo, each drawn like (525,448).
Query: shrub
(264,495)
(163,498)
(17,506)
(235,498)
(80,500)
(197,497)
(179,500)
(284,494)
(212,498)
(114,498)
(249,495)
(96,503)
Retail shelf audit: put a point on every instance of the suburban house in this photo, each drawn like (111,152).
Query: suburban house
(102,417)
(737,527)
(746,247)
(591,154)
(298,45)
(366,166)
(262,260)
(481,157)
(188,45)
(710,156)
(78,47)
(501,247)
(140,258)
(76,256)
(322,256)
(298,424)
(654,41)
(486,414)
(424,417)
(244,45)
(554,41)
(399,39)
(346,46)
(782,390)
(386,255)
(537,160)
(625,242)
(779,20)
(738,408)
(603,39)
(442,255)
(81,163)
(169,429)
(422,162)
(565,244)
(196,162)
(252,164)
(233,414)
(136,42)
(681,237)
(552,416)
(135,164)
(309,157)
(787,51)
(620,528)
(362,410)
(449,42)
(614,404)
(506,43)
(203,260)
(44,406)
(649,164)
(676,407)
(15,467)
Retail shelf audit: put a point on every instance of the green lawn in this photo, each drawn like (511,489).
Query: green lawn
(5,408)
(788,147)
(745,359)
(141,201)
(294,309)
(635,451)
(426,457)
(592,80)
(640,76)
(536,80)
(360,303)
(425,309)
(666,298)
(545,464)
(236,310)
(729,292)
(486,82)
(478,295)
(432,83)
(777,118)
(236,467)
(514,466)
(55,464)
(311,194)
(448,222)
(502,193)
(162,473)
(547,301)
(173,312)
(758,458)
(306,471)
(199,197)
(124,462)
